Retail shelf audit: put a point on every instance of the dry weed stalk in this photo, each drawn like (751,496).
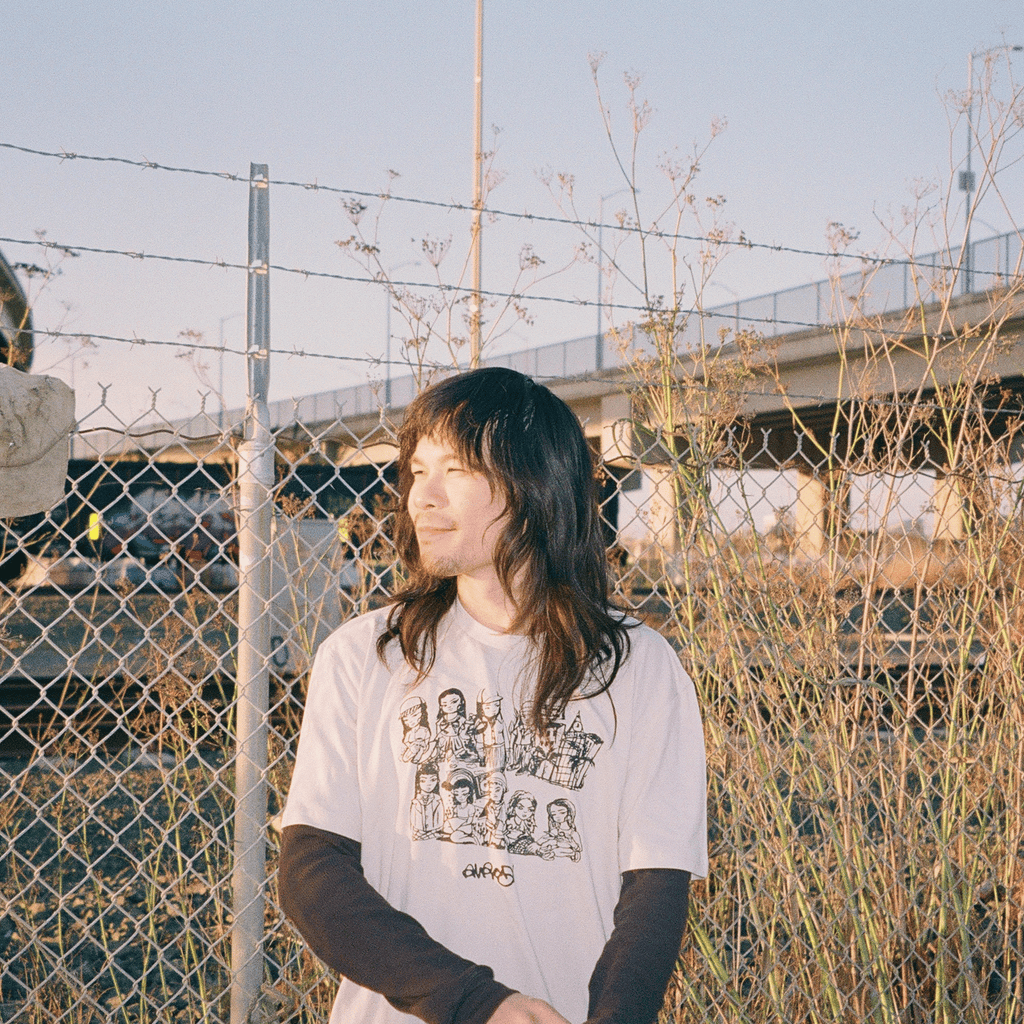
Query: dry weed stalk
(861,690)
(438,317)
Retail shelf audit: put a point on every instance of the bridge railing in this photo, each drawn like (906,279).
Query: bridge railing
(874,289)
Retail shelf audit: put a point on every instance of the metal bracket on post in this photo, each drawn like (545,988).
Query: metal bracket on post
(255,509)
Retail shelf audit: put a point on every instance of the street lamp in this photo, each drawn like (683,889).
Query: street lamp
(477,308)
(599,355)
(220,383)
(387,327)
(967,182)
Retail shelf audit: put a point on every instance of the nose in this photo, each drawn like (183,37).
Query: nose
(426,492)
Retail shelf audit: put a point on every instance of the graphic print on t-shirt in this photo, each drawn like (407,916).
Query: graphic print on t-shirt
(463,792)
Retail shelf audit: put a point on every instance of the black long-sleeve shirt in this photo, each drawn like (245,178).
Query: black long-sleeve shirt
(354,930)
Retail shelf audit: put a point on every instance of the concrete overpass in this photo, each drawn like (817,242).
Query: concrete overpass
(875,333)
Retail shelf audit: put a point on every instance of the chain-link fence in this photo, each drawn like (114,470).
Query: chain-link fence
(855,639)
(119,735)
(830,531)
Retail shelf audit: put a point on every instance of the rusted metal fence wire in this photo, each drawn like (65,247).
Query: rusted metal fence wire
(842,579)
(861,692)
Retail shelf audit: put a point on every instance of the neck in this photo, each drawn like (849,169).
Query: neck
(486,602)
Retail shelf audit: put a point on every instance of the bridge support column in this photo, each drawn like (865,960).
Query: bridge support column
(662,511)
(810,515)
(821,511)
(950,508)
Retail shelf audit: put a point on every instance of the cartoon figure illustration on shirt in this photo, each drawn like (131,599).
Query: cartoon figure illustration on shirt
(463,771)
(416,740)
(490,824)
(562,758)
(461,815)
(489,727)
(521,822)
(426,812)
(538,756)
(561,838)
(520,743)
(455,739)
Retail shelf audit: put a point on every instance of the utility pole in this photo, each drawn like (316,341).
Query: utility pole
(388,285)
(967,180)
(220,391)
(476,309)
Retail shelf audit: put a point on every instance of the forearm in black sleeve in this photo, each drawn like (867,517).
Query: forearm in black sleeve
(628,984)
(353,929)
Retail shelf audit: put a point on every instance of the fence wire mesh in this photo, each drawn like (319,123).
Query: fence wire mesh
(853,623)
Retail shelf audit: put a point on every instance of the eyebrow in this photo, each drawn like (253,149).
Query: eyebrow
(445,460)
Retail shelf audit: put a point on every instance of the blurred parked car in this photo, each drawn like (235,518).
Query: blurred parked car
(198,527)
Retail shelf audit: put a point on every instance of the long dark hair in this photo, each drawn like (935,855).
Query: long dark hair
(530,446)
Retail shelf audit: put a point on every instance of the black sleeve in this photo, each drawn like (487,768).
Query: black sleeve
(628,984)
(354,930)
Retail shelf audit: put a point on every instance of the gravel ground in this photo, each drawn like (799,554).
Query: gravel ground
(115,891)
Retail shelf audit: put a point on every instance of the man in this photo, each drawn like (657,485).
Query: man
(506,605)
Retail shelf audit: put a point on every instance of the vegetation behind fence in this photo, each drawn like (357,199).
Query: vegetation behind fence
(858,650)
(862,707)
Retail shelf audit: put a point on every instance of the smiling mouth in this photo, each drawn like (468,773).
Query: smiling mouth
(433,528)
(426,534)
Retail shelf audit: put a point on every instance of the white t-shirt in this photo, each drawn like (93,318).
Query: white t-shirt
(508,850)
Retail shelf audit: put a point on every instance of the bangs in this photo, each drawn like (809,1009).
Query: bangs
(469,438)
(467,419)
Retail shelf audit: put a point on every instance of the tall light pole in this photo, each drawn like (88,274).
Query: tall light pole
(599,354)
(387,327)
(967,182)
(220,382)
(476,309)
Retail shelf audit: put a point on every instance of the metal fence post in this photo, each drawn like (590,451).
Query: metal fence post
(255,489)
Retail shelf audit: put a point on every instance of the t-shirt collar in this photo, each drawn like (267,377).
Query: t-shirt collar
(463,622)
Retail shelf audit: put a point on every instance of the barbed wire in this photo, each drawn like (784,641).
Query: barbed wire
(353,279)
(46,243)
(453,206)
(191,344)
(729,312)
(220,349)
(64,154)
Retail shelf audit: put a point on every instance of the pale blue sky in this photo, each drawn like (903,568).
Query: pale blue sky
(834,111)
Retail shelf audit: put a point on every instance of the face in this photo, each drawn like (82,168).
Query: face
(428,783)
(494,788)
(457,518)
(450,705)
(559,814)
(523,810)
(491,708)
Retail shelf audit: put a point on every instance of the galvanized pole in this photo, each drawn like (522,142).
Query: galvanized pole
(255,490)
(476,311)
(967,178)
